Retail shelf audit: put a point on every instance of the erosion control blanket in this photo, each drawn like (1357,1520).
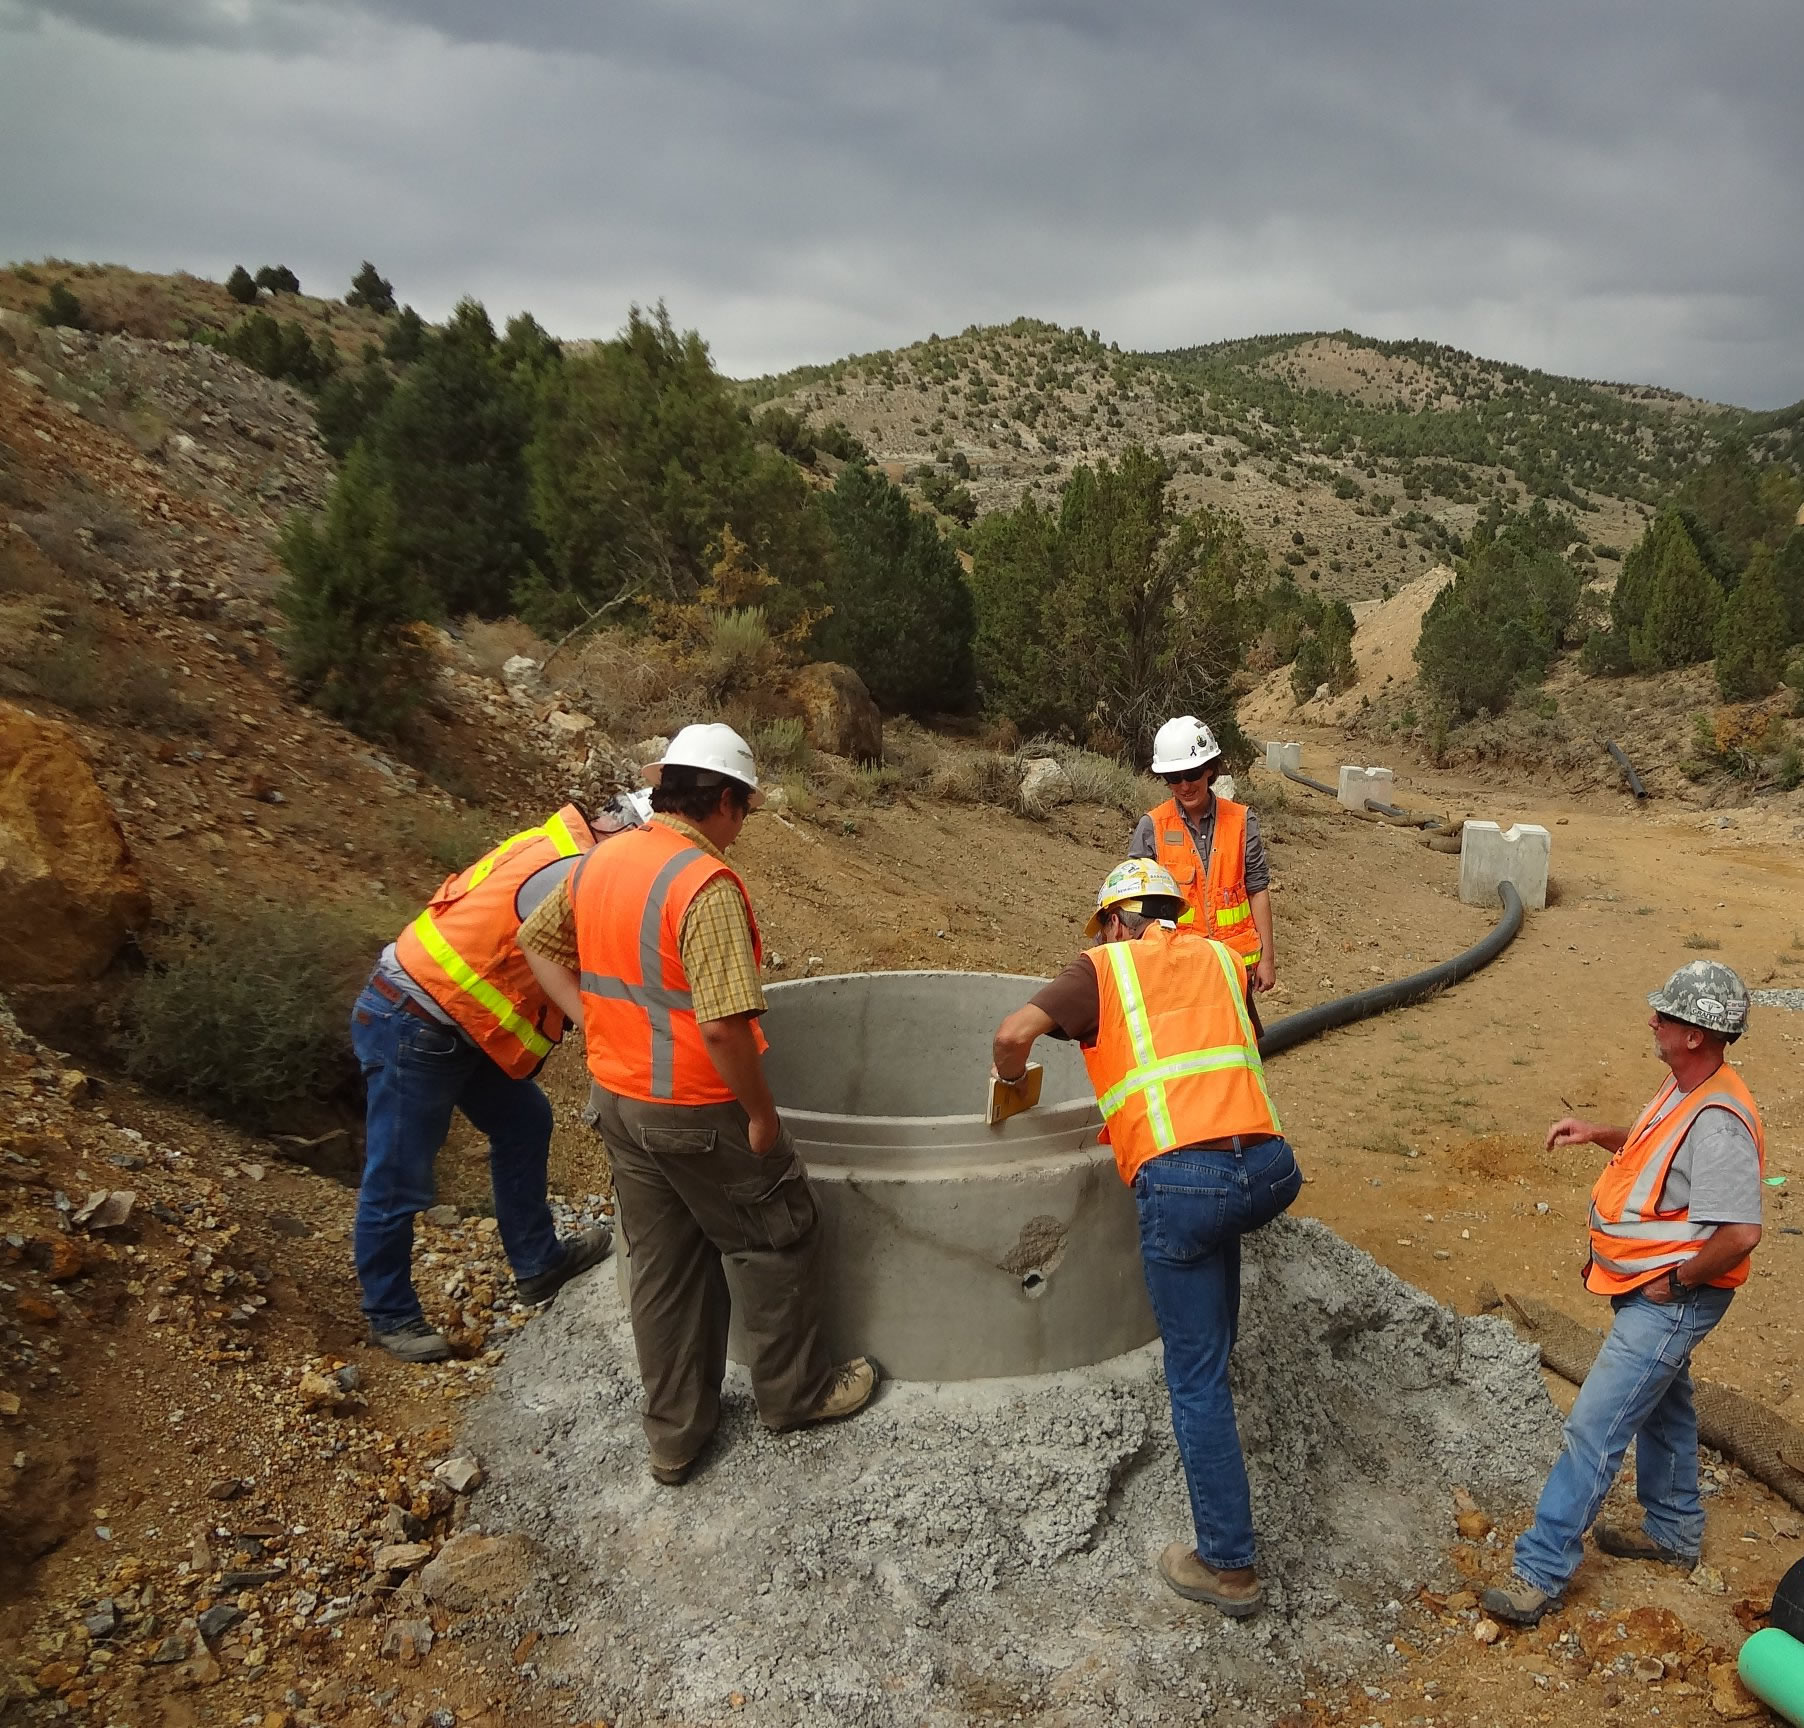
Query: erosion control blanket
(1760,1440)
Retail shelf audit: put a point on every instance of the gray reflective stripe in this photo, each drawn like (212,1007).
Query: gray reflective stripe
(1632,1268)
(1652,1176)
(1654,1229)
(658,1001)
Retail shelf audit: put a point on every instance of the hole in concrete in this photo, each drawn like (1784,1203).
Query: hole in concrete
(1034,1284)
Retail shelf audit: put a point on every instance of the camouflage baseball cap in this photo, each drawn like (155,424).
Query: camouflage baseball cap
(1707,994)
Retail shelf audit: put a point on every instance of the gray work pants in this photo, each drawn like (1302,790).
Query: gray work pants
(691,1193)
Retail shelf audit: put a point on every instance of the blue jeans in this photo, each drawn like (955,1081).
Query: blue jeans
(1639,1389)
(1195,1204)
(416,1073)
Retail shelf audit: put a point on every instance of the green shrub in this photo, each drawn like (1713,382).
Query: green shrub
(780,748)
(739,655)
(277,348)
(242,286)
(243,1014)
(1606,654)
(62,309)
(278,279)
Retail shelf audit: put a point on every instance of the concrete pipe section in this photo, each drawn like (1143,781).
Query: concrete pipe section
(953,1251)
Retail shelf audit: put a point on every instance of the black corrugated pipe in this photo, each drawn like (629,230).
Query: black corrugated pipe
(1293,1029)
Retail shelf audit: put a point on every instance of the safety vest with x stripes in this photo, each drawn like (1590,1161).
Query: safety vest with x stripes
(1176,1060)
(639,1025)
(1632,1241)
(461,950)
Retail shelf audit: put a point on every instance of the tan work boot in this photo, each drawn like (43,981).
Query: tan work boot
(847,1393)
(1237,1594)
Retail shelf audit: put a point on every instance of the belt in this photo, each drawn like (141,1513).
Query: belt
(1228,1143)
(402,1000)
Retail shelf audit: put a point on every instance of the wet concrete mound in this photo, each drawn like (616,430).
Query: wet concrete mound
(984,1550)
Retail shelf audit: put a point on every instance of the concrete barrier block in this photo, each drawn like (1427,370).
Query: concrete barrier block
(1278,757)
(1489,855)
(1359,784)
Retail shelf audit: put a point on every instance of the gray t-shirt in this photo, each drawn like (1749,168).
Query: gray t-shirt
(1715,1174)
(1202,835)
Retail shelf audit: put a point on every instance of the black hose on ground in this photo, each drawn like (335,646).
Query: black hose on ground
(1294,1029)
(1313,785)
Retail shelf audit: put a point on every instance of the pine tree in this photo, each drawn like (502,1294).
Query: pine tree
(350,600)
(1678,627)
(451,444)
(1750,635)
(902,615)
(1788,572)
(1012,579)
(278,279)
(372,291)
(241,286)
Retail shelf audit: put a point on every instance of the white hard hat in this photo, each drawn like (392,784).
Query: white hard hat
(715,749)
(1183,743)
(1129,884)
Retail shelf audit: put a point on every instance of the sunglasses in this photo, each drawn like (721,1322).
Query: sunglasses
(1189,775)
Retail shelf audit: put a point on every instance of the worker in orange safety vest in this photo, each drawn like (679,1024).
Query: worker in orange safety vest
(1160,1013)
(453,1018)
(1674,1218)
(653,943)
(1212,847)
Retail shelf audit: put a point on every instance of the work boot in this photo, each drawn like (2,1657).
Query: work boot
(1628,1544)
(1519,1602)
(415,1340)
(575,1254)
(1236,1594)
(847,1393)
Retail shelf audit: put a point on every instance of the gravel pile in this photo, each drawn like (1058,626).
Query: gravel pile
(986,1550)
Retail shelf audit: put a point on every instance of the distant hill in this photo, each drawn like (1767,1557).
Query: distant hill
(1358,462)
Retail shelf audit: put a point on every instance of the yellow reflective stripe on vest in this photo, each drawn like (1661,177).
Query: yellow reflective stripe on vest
(1235,914)
(1151,1079)
(557,831)
(1140,1031)
(1232,971)
(459,971)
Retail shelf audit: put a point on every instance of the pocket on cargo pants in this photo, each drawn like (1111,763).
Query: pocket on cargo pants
(774,1206)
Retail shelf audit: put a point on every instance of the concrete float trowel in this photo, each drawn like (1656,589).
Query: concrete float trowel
(1006,1099)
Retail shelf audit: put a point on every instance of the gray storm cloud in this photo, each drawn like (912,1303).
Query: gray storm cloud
(1598,189)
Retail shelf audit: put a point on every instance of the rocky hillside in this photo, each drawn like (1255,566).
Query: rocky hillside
(1354,461)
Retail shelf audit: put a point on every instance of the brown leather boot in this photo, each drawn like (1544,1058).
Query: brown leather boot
(1236,1594)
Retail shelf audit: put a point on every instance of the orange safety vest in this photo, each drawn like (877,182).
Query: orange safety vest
(639,1021)
(1632,1243)
(1176,1060)
(1218,896)
(461,950)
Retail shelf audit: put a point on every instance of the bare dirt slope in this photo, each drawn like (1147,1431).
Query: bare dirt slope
(1384,643)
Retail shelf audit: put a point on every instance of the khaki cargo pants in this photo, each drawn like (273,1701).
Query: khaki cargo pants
(691,1193)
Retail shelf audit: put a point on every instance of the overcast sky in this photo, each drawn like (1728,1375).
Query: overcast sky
(1614,190)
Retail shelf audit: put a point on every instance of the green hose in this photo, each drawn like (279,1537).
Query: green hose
(1772,1668)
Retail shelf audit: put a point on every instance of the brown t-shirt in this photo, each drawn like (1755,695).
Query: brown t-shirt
(1073,1003)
